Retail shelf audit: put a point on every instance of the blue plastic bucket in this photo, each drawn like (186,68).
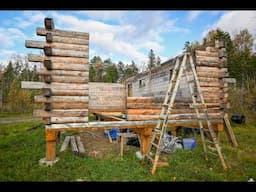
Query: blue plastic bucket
(189,143)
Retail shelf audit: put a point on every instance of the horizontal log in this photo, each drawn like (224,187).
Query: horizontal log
(207,59)
(65,79)
(139,99)
(67,105)
(69,40)
(40,85)
(210,84)
(123,124)
(209,64)
(92,110)
(68,120)
(63,72)
(49,51)
(63,66)
(71,99)
(173,116)
(64,92)
(211,49)
(208,79)
(61,113)
(66,60)
(144,105)
(212,74)
(143,111)
(63,33)
(64,46)
(206,53)
(211,69)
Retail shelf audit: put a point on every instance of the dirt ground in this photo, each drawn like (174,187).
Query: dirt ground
(98,146)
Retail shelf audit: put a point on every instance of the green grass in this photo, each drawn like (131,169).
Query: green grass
(21,150)
(16,115)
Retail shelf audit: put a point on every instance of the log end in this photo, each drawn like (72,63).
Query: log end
(49,38)
(48,51)
(48,23)
(48,64)
(47,106)
(46,92)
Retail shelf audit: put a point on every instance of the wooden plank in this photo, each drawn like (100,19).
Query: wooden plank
(49,51)
(123,124)
(80,146)
(58,120)
(63,33)
(66,60)
(71,99)
(65,79)
(40,85)
(74,147)
(116,109)
(65,144)
(63,72)
(64,92)
(68,105)
(229,131)
(63,46)
(69,40)
(62,113)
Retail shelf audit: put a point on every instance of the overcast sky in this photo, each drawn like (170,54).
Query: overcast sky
(122,35)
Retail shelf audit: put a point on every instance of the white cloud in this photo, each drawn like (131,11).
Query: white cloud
(193,15)
(104,15)
(234,21)
(6,55)
(29,18)
(10,36)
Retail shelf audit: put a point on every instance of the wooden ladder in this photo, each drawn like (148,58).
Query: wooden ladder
(167,107)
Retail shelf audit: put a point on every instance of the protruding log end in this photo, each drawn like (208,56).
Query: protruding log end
(48,23)
(49,38)
(47,78)
(48,64)
(48,51)
(47,106)
(47,120)
(47,92)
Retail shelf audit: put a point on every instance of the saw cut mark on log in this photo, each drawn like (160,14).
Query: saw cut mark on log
(63,33)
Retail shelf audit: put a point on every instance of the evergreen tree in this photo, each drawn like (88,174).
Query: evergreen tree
(152,59)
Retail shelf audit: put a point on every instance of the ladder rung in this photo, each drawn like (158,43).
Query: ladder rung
(210,142)
(162,117)
(165,105)
(157,131)
(212,148)
(191,81)
(155,145)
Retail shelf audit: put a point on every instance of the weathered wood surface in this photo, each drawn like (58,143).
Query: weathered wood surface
(212,74)
(207,59)
(144,105)
(49,51)
(40,85)
(211,69)
(65,144)
(208,79)
(48,23)
(67,60)
(61,113)
(64,92)
(64,46)
(122,124)
(71,99)
(68,105)
(57,120)
(206,53)
(67,40)
(106,109)
(74,147)
(63,66)
(64,73)
(80,146)
(174,116)
(65,79)
(63,33)
(139,99)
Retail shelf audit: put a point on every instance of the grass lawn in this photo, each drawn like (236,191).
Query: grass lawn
(20,151)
